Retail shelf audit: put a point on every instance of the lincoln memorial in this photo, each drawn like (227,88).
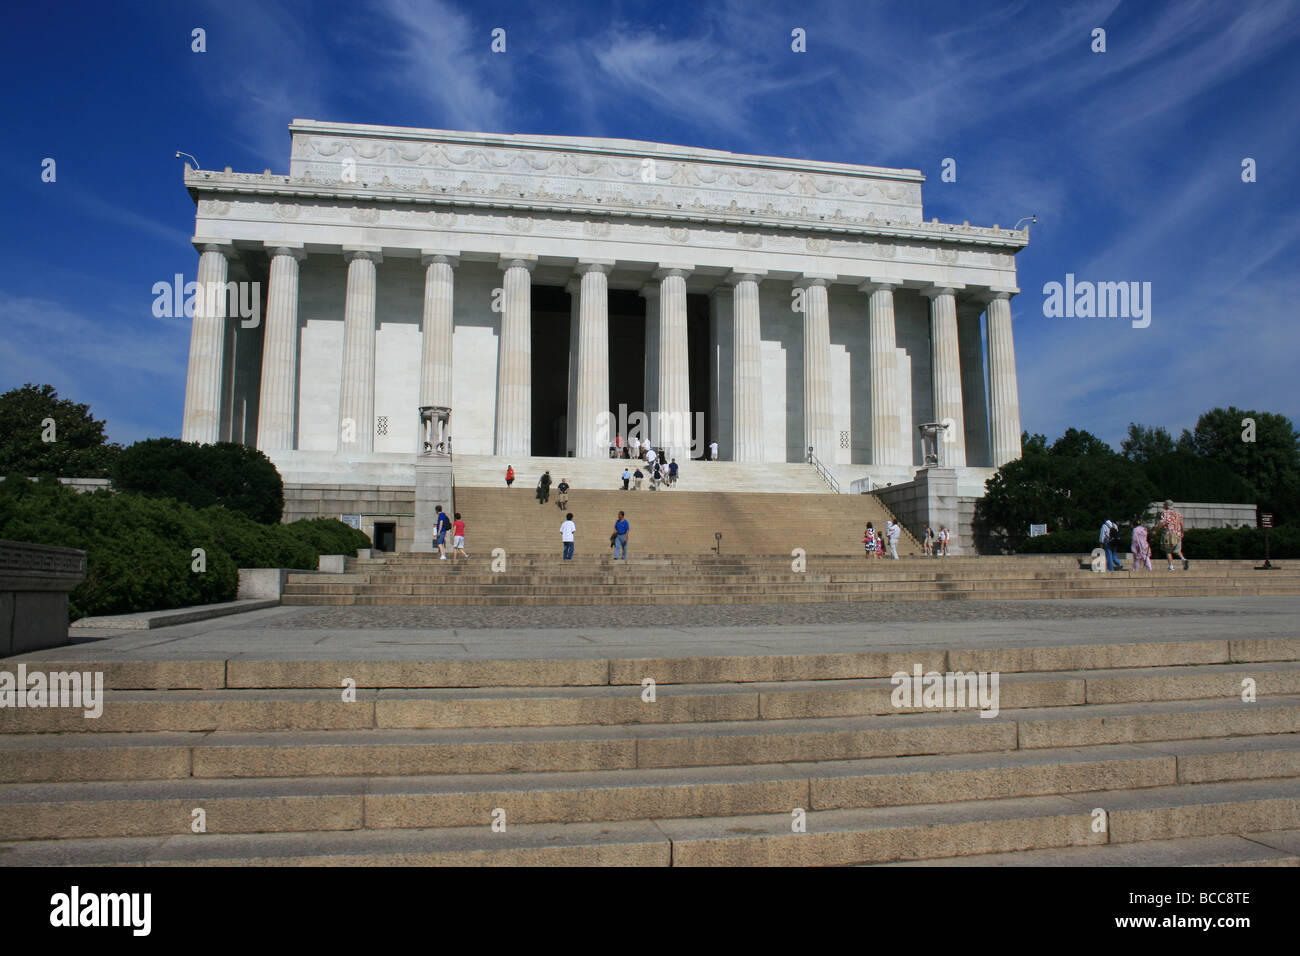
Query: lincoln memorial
(539,286)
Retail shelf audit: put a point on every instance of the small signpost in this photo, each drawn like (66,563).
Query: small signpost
(1266,522)
(1036,529)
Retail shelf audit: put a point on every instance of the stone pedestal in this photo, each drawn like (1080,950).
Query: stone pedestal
(35,580)
(929,498)
(432,487)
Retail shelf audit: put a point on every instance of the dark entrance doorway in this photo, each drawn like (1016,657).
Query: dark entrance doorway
(626,355)
(550,369)
(697,343)
(385,538)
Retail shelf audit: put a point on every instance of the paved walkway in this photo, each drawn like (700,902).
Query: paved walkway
(468,633)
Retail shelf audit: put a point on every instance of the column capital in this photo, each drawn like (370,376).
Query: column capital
(946,288)
(224,246)
(809,279)
(293,249)
(995,292)
(649,289)
(604,266)
(745,275)
(667,269)
(374,253)
(449,257)
(517,261)
(573,286)
(875,284)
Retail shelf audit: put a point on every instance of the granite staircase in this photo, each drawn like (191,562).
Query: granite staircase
(1103,753)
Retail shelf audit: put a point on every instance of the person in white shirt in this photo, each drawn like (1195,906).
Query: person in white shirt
(650,457)
(892,531)
(713,451)
(567,532)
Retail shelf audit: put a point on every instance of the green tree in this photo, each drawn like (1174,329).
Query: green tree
(42,434)
(1270,462)
(1076,442)
(229,474)
(1144,443)
(1032,444)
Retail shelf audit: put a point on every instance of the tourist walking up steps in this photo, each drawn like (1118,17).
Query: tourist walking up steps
(567,532)
(621,528)
(943,541)
(1170,531)
(927,546)
(441,525)
(672,473)
(1109,537)
(544,488)
(510,475)
(892,531)
(563,489)
(458,537)
(1141,548)
(627,476)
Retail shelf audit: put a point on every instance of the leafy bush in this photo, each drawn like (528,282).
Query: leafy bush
(228,474)
(1066,492)
(1198,543)
(139,550)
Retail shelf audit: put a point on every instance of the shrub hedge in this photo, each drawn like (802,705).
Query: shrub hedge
(225,473)
(1204,543)
(140,550)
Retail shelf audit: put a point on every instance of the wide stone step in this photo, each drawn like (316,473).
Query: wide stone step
(247,673)
(876,834)
(149,808)
(1266,848)
(683,598)
(32,758)
(279,709)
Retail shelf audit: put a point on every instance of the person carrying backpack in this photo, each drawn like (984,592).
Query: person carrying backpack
(441,525)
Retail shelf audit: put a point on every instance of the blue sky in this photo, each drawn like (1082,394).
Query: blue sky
(1131,159)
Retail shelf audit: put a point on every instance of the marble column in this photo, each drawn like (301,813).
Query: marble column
(436,326)
(1004,393)
(945,365)
(818,427)
(574,288)
(674,433)
(747,379)
(974,399)
(278,401)
(357,396)
(650,292)
(887,445)
(514,363)
(593,429)
(206,376)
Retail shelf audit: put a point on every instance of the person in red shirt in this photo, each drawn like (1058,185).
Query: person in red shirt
(458,537)
(510,475)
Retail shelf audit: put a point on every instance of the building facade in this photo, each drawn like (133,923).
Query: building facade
(547,289)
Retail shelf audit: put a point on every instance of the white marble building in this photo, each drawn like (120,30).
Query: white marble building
(536,283)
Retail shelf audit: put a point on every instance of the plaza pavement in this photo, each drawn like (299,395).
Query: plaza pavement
(485,633)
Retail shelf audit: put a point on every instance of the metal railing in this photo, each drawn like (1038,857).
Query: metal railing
(823,471)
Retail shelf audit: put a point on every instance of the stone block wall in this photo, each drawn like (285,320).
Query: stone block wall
(371,503)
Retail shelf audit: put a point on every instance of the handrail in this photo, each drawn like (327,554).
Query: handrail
(823,471)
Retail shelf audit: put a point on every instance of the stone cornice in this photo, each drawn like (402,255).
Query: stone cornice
(231,184)
(595,146)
